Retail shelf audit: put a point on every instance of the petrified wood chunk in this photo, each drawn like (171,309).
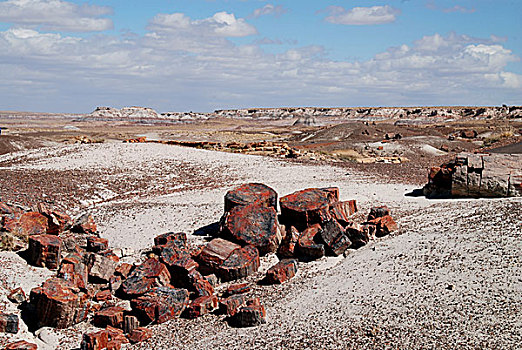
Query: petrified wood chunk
(251,193)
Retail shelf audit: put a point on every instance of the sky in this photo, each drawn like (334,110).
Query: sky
(202,55)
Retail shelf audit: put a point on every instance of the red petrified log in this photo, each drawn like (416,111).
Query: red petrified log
(251,193)
(160,304)
(249,316)
(44,251)
(281,272)
(201,306)
(59,303)
(241,263)
(308,249)
(31,223)
(148,275)
(95,340)
(255,225)
(21,345)
(334,239)
(307,207)
(383,225)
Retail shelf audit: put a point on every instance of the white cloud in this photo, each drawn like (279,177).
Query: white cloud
(458,8)
(56,15)
(269,9)
(362,15)
(221,24)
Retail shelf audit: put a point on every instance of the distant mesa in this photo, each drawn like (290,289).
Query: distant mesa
(126,113)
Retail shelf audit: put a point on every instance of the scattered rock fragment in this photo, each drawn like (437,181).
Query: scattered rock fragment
(287,248)
(241,263)
(21,345)
(252,315)
(9,323)
(45,251)
(139,334)
(215,253)
(307,207)
(202,306)
(308,249)
(238,288)
(111,316)
(130,323)
(85,224)
(281,272)
(152,273)
(333,237)
(342,211)
(17,295)
(160,304)
(97,244)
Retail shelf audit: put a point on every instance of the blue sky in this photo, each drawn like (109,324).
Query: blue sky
(201,55)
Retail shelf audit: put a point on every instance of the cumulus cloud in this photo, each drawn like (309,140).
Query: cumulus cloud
(221,24)
(56,15)
(269,9)
(362,15)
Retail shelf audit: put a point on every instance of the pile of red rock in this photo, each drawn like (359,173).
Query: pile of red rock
(178,278)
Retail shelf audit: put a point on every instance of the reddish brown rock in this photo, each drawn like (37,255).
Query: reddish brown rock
(124,270)
(179,238)
(342,211)
(241,263)
(201,306)
(115,283)
(332,193)
(21,345)
(254,225)
(249,316)
(116,338)
(130,323)
(59,303)
(103,295)
(359,235)
(45,251)
(111,316)
(199,285)
(231,305)
(307,248)
(377,212)
(160,304)
(215,253)
(85,224)
(334,239)
(17,295)
(74,270)
(97,244)
(57,221)
(8,323)
(250,193)
(95,340)
(27,224)
(287,249)
(152,273)
(281,272)
(180,271)
(140,334)
(238,288)
(306,207)
(384,225)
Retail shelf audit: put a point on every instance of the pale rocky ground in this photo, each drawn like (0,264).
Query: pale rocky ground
(450,278)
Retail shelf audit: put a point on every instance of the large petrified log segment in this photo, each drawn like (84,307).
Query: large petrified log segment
(281,272)
(31,223)
(8,323)
(59,303)
(152,273)
(306,207)
(307,248)
(334,239)
(254,225)
(160,304)
(45,251)
(241,263)
(342,211)
(251,193)
(215,253)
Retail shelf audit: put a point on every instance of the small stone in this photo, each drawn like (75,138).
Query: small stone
(199,285)
(231,305)
(201,306)
(74,270)
(111,316)
(359,235)
(384,225)
(17,295)
(281,272)
(95,340)
(377,212)
(124,269)
(8,323)
(140,334)
(287,249)
(179,237)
